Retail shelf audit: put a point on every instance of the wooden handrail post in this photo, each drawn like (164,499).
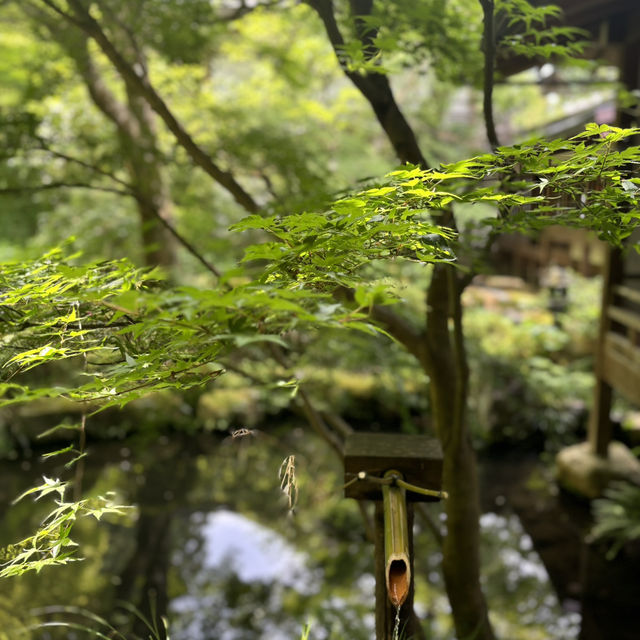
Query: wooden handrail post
(600,429)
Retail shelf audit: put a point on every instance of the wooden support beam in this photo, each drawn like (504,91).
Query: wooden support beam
(630,294)
(621,366)
(628,319)
(600,429)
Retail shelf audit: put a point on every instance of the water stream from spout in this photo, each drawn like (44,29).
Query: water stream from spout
(396,627)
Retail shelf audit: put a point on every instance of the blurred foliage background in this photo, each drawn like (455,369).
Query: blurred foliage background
(258,85)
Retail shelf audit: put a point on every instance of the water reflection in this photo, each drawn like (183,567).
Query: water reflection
(520,577)
(214,548)
(232,560)
(252,551)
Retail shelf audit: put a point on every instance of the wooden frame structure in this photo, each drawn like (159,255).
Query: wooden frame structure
(614,26)
(618,355)
(393,470)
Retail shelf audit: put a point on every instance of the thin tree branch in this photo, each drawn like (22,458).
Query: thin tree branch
(82,438)
(369,526)
(62,185)
(129,192)
(320,426)
(402,330)
(128,31)
(394,324)
(313,416)
(429,522)
(103,97)
(120,115)
(489,50)
(269,185)
(317,420)
(136,132)
(82,163)
(185,243)
(374,87)
(54,7)
(459,352)
(360,9)
(338,423)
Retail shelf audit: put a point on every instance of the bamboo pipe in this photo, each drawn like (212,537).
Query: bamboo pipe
(396,541)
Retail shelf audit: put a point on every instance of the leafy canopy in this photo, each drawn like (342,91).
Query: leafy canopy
(52,544)
(133,333)
(138,334)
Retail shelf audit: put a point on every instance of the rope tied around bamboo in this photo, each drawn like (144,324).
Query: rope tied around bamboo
(395,479)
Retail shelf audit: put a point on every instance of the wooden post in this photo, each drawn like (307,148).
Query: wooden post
(600,427)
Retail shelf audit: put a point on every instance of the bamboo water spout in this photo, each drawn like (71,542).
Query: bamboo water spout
(396,541)
(415,462)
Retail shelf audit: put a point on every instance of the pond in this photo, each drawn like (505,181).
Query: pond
(212,545)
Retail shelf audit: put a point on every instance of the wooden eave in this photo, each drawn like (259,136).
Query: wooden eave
(611,23)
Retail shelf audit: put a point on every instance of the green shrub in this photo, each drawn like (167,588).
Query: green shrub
(617,516)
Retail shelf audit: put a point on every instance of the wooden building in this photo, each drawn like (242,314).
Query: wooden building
(614,26)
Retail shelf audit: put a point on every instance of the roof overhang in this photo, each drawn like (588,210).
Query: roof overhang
(612,25)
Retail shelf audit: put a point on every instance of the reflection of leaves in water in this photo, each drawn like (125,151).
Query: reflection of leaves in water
(526,606)
(229,601)
(220,602)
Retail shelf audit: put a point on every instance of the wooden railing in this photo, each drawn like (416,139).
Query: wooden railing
(523,256)
(621,361)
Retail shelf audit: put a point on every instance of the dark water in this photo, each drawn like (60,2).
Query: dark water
(605,592)
(213,546)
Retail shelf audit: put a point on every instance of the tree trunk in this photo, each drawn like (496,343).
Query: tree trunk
(445,363)
(144,165)
(460,551)
(440,351)
(134,121)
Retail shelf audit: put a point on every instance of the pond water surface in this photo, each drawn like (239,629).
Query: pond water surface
(213,546)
